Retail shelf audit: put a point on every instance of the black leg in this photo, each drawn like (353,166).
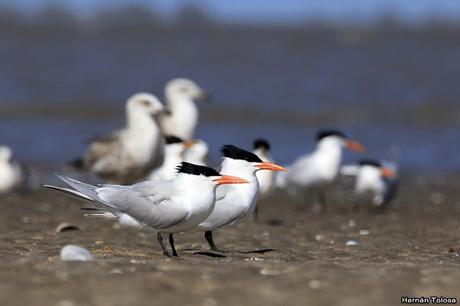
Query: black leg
(256,213)
(322,202)
(208,236)
(160,240)
(171,242)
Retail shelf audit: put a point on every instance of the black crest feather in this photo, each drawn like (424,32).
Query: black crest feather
(370,162)
(261,143)
(170,139)
(234,152)
(326,133)
(193,169)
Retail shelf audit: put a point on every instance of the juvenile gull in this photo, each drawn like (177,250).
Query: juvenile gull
(183,116)
(128,155)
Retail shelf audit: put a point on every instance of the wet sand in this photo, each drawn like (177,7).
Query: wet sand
(290,257)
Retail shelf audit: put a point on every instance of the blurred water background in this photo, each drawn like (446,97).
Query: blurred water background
(387,78)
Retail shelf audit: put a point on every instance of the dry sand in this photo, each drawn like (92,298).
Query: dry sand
(290,257)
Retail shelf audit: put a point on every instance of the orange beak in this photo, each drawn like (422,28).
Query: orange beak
(270,166)
(189,143)
(355,146)
(228,179)
(388,173)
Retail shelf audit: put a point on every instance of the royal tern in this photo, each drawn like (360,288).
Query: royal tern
(314,173)
(128,155)
(374,180)
(266,178)
(173,155)
(182,118)
(236,202)
(168,206)
(197,153)
(11,172)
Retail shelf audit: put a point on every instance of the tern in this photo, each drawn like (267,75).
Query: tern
(266,178)
(128,155)
(318,171)
(182,118)
(197,153)
(173,155)
(374,180)
(167,206)
(11,173)
(235,202)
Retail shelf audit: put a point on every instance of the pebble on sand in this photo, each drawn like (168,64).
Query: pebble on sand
(351,243)
(75,253)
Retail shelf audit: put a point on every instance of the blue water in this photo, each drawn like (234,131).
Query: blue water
(385,88)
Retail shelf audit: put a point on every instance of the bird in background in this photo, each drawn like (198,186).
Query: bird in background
(128,155)
(235,202)
(182,117)
(315,173)
(266,178)
(12,176)
(174,148)
(376,181)
(167,206)
(197,153)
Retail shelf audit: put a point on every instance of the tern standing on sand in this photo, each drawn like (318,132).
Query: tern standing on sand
(174,152)
(197,153)
(183,116)
(316,172)
(128,155)
(375,180)
(11,174)
(235,204)
(168,207)
(266,178)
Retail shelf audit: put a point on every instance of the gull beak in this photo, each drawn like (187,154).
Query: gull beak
(355,146)
(204,96)
(189,143)
(388,173)
(228,179)
(270,166)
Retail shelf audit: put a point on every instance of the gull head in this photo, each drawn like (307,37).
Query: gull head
(244,160)
(5,154)
(182,87)
(334,138)
(145,103)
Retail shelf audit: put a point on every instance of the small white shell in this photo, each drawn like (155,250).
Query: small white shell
(75,253)
(352,243)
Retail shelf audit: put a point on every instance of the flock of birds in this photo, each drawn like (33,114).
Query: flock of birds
(157,172)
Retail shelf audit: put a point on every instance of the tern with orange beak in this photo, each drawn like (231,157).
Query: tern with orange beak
(316,172)
(236,203)
(175,148)
(374,180)
(167,206)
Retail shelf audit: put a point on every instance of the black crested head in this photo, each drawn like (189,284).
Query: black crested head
(193,169)
(326,133)
(169,139)
(370,162)
(230,151)
(261,143)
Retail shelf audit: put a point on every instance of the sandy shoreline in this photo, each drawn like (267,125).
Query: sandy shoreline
(291,256)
